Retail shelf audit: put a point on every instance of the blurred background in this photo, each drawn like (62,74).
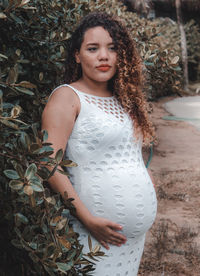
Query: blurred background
(36,238)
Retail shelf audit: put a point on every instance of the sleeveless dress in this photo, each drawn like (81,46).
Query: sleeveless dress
(111,180)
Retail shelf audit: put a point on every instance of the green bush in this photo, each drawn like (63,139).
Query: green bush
(36,237)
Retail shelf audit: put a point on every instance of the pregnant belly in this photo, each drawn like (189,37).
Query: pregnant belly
(126,198)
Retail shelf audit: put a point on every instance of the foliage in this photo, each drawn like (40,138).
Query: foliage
(158,42)
(36,236)
(34,218)
(172,41)
(193,45)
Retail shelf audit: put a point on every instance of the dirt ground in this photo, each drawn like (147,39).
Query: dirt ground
(173,243)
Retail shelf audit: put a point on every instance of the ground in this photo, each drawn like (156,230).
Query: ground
(172,244)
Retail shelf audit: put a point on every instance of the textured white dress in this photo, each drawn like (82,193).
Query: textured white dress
(111,180)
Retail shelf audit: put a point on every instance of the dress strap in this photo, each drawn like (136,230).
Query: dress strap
(64,85)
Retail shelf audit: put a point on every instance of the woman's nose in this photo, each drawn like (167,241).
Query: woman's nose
(103,53)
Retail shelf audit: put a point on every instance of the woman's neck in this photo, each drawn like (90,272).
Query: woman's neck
(92,87)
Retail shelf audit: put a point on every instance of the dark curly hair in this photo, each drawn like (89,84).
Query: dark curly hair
(127,83)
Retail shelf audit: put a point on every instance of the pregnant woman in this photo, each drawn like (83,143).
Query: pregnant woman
(99,119)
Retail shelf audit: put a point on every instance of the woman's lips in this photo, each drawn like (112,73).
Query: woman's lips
(103,68)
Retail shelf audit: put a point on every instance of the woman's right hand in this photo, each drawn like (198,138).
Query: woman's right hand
(105,231)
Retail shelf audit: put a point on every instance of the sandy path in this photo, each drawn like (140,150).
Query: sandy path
(186,107)
(176,169)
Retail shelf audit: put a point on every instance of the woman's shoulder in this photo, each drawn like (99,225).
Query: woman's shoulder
(61,99)
(61,110)
(61,92)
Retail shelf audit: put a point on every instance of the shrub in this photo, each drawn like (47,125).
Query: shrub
(36,237)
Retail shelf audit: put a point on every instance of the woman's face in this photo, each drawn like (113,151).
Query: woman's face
(97,55)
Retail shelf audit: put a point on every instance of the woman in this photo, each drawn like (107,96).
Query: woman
(102,118)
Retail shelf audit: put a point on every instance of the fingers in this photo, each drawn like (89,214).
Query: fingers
(117,236)
(109,241)
(105,244)
(115,242)
(114,238)
(115,226)
(112,241)
(106,232)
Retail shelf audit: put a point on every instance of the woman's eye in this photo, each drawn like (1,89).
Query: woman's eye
(112,48)
(92,49)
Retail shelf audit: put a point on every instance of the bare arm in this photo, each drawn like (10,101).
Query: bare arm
(58,119)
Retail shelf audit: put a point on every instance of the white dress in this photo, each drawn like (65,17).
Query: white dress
(111,180)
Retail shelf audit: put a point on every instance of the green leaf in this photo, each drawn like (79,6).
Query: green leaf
(50,249)
(16,110)
(34,128)
(44,172)
(89,242)
(33,245)
(25,140)
(37,188)
(39,201)
(59,155)
(79,254)
(71,254)
(49,270)
(36,185)
(21,218)
(68,163)
(96,248)
(44,159)
(175,60)
(25,91)
(25,84)
(44,150)
(34,147)
(16,18)
(12,75)
(35,180)
(19,170)
(11,174)
(9,124)
(61,224)
(3,56)
(51,200)
(63,267)
(16,184)
(30,171)
(65,213)
(53,171)
(177,68)
(45,135)
(148,63)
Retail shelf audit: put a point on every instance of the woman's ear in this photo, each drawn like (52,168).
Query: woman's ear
(77,57)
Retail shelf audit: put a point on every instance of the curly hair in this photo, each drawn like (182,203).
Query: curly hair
(126,85)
